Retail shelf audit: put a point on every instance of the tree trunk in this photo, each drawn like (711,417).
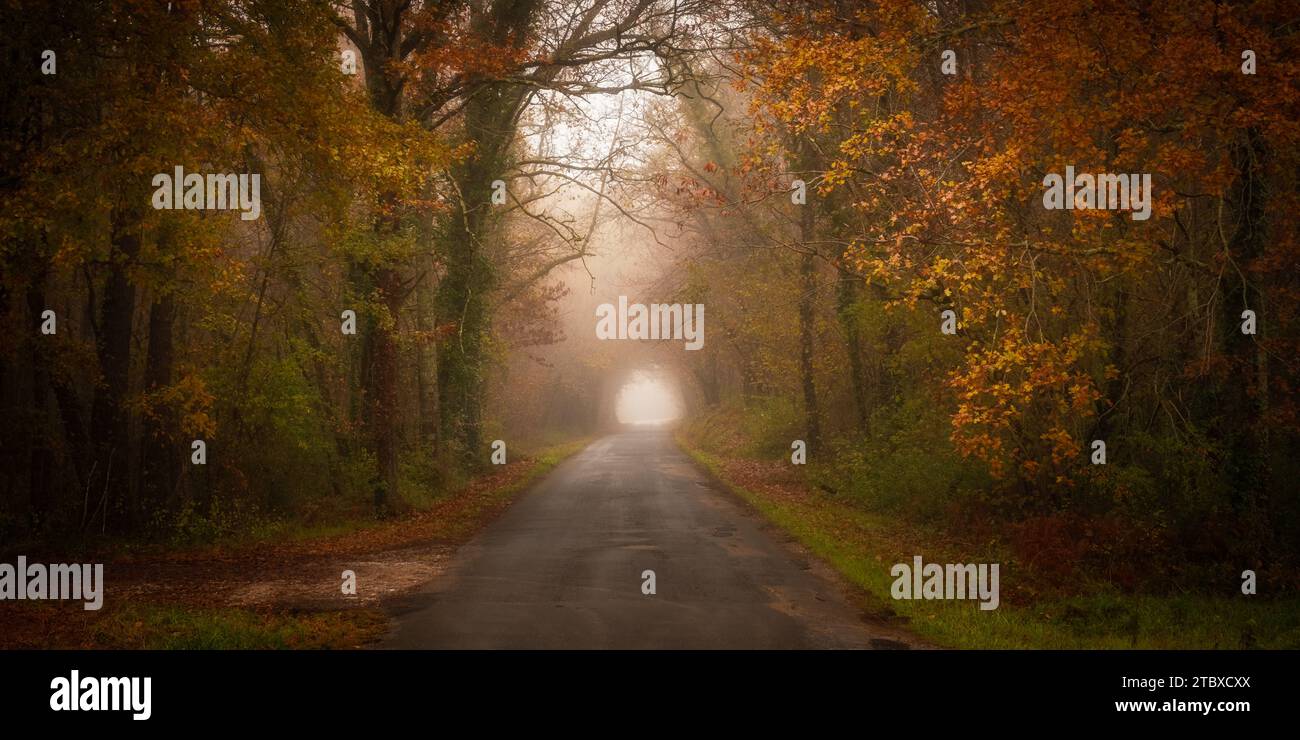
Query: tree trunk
(1246,393)
(462,298)
(110,422)
(847,295)
(160,457)
(385,411)
(807,306)
(42,462)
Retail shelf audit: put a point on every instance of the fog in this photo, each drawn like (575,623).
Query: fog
(595,179)
(647,399)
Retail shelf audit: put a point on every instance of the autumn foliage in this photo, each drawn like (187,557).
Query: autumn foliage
(1072,325)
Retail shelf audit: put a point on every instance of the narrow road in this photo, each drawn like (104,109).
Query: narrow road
(562,568)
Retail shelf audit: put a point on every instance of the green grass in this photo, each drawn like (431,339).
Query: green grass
(863,546)
(157,627)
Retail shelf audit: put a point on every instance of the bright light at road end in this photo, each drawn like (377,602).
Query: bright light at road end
(646,400)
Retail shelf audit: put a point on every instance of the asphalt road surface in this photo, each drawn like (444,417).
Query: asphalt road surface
(562,568)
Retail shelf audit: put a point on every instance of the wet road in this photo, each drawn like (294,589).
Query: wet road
(562,568)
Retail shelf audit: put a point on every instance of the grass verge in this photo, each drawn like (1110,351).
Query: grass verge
(447,515)
(152,626)
(863,546)
(194,617)
(157,627)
